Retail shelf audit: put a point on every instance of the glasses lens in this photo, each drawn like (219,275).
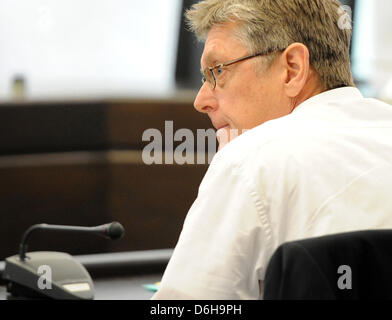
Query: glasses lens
(209,77)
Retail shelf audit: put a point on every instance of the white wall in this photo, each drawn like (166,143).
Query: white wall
(89,48)
(372,45)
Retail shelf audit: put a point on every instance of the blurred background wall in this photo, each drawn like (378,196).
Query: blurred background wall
(68,49)
(372,47)
(127,48)
(80,81)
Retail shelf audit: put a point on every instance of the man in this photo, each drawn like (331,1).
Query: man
(316,157)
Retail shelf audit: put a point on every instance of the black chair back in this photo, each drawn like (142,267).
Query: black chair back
(344,266)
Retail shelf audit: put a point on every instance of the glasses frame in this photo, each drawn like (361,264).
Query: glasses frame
(228,63)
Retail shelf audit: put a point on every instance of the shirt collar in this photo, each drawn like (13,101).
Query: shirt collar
(334,95)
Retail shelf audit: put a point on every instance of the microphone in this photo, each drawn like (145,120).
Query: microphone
(113,231)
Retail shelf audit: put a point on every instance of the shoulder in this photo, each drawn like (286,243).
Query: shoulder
(316,130)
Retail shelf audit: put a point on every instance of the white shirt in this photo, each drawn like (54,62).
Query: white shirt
(325,168)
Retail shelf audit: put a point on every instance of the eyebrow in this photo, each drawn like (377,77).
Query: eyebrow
(210,60)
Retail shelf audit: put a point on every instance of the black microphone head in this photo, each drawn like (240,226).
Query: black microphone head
(114,230)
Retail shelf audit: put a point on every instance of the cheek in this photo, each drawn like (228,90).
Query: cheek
(232,108)
(242,106)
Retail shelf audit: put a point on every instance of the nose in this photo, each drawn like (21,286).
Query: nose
(205,101)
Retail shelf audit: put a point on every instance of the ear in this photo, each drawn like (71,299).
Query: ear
(296,65)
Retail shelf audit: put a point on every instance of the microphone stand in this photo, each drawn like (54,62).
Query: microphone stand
(29,231)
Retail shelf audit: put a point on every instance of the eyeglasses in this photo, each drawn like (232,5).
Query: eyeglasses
(208,74)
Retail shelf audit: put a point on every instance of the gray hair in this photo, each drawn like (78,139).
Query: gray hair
(275,24)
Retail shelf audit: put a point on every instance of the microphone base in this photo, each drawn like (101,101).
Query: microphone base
(48,275)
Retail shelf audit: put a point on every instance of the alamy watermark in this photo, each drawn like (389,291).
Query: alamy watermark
(190,149)
(345,280)
(345,21)
(45,280)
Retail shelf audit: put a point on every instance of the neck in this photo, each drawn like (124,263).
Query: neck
(312,87)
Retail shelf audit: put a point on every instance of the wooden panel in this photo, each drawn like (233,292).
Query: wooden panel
(126,123)
(79,163)
(77,126)
(152,202)
(50,127)
(57,194)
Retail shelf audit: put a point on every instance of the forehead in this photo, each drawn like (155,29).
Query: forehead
(222,44)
